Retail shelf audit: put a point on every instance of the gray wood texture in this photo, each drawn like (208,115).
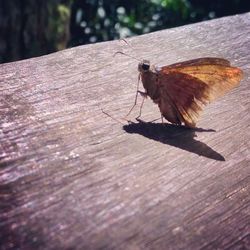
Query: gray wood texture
(71,177)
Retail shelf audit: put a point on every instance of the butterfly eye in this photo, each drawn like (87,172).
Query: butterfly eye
(145,66)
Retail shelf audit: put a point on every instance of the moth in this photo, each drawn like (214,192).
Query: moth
(181,90)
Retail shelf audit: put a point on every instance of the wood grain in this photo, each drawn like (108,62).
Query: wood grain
(73,178)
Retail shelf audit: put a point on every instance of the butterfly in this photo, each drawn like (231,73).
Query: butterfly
(181,90)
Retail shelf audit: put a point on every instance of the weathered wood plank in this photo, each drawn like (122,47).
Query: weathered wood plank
(73,178)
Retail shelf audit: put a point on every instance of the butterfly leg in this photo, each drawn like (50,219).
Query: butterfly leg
(144,96)
(136,95)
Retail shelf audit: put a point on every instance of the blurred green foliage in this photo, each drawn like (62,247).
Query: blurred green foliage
(32,28)
(101,20)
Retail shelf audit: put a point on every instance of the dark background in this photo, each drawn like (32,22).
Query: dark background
(31,28)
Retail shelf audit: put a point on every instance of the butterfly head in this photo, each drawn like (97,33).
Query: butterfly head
(144,66)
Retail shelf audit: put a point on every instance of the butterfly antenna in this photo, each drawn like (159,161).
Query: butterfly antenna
(127,43)
(122,53)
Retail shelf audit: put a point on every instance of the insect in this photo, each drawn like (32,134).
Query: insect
(181,90)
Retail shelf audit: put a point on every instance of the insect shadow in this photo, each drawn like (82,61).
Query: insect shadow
(177,136)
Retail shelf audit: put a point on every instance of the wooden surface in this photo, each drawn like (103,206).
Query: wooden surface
(73,178)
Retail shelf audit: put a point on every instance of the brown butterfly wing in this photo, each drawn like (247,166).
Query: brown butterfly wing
(188,88)
(185,95)
(219,78)
(200,61)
